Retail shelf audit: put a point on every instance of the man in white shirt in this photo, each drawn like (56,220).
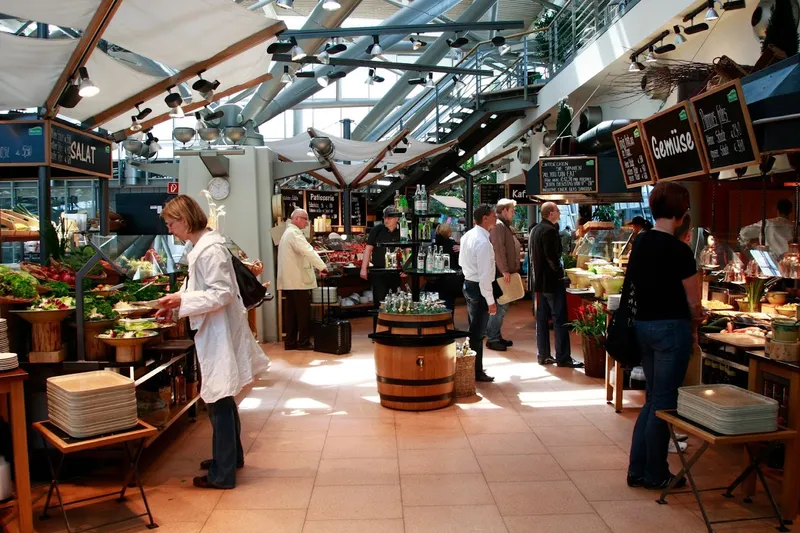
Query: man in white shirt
(779,231)
(477,263)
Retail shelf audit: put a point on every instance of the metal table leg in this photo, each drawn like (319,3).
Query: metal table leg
(133,458)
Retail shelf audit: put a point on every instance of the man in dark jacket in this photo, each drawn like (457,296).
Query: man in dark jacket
(550,290)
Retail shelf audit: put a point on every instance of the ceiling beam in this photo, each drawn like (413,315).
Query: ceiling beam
(335,171)
(404,29)
(86,45)
(344,62)
(378,158)
(494,158)
(186,74)
(437,149)
(194,106)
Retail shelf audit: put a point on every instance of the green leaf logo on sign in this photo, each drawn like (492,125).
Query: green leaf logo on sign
(733,96)
(636,133)
(35,132)
(108,150)
(590,163)
(683,115)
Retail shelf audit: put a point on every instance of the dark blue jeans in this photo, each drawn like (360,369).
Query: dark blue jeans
(666,347)
(493,333)
(227,452)
(478,316)
(553,305)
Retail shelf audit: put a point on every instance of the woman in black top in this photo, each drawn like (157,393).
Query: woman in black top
(663,277)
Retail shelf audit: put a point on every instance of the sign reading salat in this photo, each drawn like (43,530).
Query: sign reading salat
(671,139)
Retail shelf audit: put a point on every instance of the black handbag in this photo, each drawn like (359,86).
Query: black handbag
(621,343)
(251,290)
(331,335)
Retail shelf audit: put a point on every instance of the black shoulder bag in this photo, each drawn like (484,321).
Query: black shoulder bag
(251,290)
(621,343)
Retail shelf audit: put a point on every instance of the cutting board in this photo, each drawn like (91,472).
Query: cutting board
(740,341)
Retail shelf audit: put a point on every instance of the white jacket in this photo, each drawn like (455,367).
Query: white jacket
(779,232)
(228,354)
(297,261)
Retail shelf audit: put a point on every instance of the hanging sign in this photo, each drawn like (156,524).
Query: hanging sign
(672,141)
(320,203)
(726,131)
(292,199)
(78,151)
(491,193)
(518,192)
(358,209)
(22,142)
(568,175)
(637,169)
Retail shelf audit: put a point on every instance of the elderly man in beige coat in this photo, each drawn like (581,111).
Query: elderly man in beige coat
(296,263)
(506,257)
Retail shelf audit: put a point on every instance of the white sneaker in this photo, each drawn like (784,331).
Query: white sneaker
(682,437)
(672,448)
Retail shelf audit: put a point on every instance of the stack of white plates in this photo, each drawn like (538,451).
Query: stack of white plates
(8,361)
(91,403)
(727,409)
(3,335)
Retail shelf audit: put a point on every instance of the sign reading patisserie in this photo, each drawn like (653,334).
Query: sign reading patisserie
(633,158)
(568,175)
(671,139)
(726,131)
(323,203)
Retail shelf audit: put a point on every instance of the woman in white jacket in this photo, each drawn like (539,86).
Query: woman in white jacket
(228,354)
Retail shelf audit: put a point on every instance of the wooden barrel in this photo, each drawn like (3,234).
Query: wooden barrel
(415,373)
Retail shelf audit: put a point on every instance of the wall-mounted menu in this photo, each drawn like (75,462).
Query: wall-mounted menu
(491,193)
(79,151)
(518,192)
(292,199)
(22,143)
(320,203)
(358,209)
(568,175)
(633,158)
(726,131)
(671,139)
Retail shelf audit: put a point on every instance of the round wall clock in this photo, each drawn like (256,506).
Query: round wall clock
(219,188)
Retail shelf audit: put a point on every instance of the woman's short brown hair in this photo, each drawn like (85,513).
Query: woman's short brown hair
(185,208)
(444,230)
(669,200)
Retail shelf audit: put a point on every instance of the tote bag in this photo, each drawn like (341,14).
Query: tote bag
(621,343)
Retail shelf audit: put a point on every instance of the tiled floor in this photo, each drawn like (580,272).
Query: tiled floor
(539,452)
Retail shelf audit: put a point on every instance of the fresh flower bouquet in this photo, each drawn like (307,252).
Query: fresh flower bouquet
(591,321)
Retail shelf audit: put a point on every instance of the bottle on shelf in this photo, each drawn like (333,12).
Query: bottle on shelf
(397,200)
(171,378)
(437,259)
(180,386)
(421,260)
(403,228)
(403,204)
(418,201)
(445,262)
(387,258)
(423,200)
(429,260)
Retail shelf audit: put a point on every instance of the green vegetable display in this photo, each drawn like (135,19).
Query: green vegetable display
(78,257)
(58,288)
(17,284)
(131,293)
(570,261)
(98,309)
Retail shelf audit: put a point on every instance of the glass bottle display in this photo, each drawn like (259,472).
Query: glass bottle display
(180,386)
(421,260)
(403,228)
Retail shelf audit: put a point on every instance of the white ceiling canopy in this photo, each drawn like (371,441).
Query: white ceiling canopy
(68,14)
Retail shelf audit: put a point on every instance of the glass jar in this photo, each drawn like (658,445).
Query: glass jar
(789,265)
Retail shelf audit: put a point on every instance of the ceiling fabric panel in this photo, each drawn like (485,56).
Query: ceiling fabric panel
(69,14)
(237,70)
(29,68)
(180,33)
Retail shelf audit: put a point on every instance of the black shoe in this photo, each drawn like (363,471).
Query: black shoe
(202,482)
(572,363)
(634,481)
(665,483)
(506,342)
(484,378)
(205,465)
(309,347)
(497,346)
(547,361)
(288,347)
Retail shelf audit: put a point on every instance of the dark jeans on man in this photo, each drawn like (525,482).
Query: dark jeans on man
(666,347)
(478,316)
(298,318)
(226,448)
(553,306)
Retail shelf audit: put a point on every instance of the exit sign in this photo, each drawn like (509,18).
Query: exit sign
(173,188)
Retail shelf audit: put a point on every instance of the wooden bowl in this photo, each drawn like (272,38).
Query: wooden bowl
(777,298)
(43,317)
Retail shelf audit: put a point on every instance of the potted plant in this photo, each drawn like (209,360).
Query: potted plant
(563,145)
(591,325)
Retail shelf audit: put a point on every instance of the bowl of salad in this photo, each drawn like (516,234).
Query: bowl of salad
(48,310)
(17,286)
(129,344)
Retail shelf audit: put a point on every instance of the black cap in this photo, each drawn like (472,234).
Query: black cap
(390,211)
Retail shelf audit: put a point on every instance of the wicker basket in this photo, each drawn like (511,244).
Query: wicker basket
(465,376)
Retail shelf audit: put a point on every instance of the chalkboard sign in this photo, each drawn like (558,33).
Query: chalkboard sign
(518,192)
(292,199)
(726,131)
(320,203)
(491,193)
(358,209)
(671,140)
(22,142)
(635,161)
(71,149)
(568,175)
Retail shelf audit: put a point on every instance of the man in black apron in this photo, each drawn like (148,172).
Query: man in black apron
(382,280)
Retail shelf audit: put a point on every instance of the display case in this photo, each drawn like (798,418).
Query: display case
(602,244)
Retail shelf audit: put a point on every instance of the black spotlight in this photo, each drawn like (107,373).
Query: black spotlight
(173,100)
(337,48)
(695,28)
(204,86)
(417,81)
(279,48)
(336,75)
(664,49)
(458,42)
(498,40)
(308,74)
(143,113)
(70,97)
(219,113)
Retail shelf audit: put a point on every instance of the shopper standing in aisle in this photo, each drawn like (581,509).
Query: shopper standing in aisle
(296,263)
(506,258)
(665,286)
(228,354)
(375,252)
(477,263)
(551,292)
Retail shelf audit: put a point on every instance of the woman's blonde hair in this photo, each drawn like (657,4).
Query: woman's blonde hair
(185,208)
(444,230)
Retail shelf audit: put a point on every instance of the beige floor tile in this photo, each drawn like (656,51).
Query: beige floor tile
(358,471)
(535,498)
(268,493)
(590,457)
(607,485)
(354,526)
(576,523)
(621,439)
(279,422)
(552,436)
(476,425)
(431,439)
(506,444)
(409,421)
(355,503)
(349,447)
(288,441)
(472,518)
(638,516)
(541,467)
(361,427)
(179,504)
(363,409)
(438,462)
(228,521)
(445,489)
(555,418)
(280,464)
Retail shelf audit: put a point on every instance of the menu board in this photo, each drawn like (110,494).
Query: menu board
(491,193)
(22,143)
(320,203)
(568,175)
(635,161)
(726,131)
(671,139)
(292,199)
(79,151)
(358,209)
(519,192)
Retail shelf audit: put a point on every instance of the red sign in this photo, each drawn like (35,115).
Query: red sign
(173,187)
